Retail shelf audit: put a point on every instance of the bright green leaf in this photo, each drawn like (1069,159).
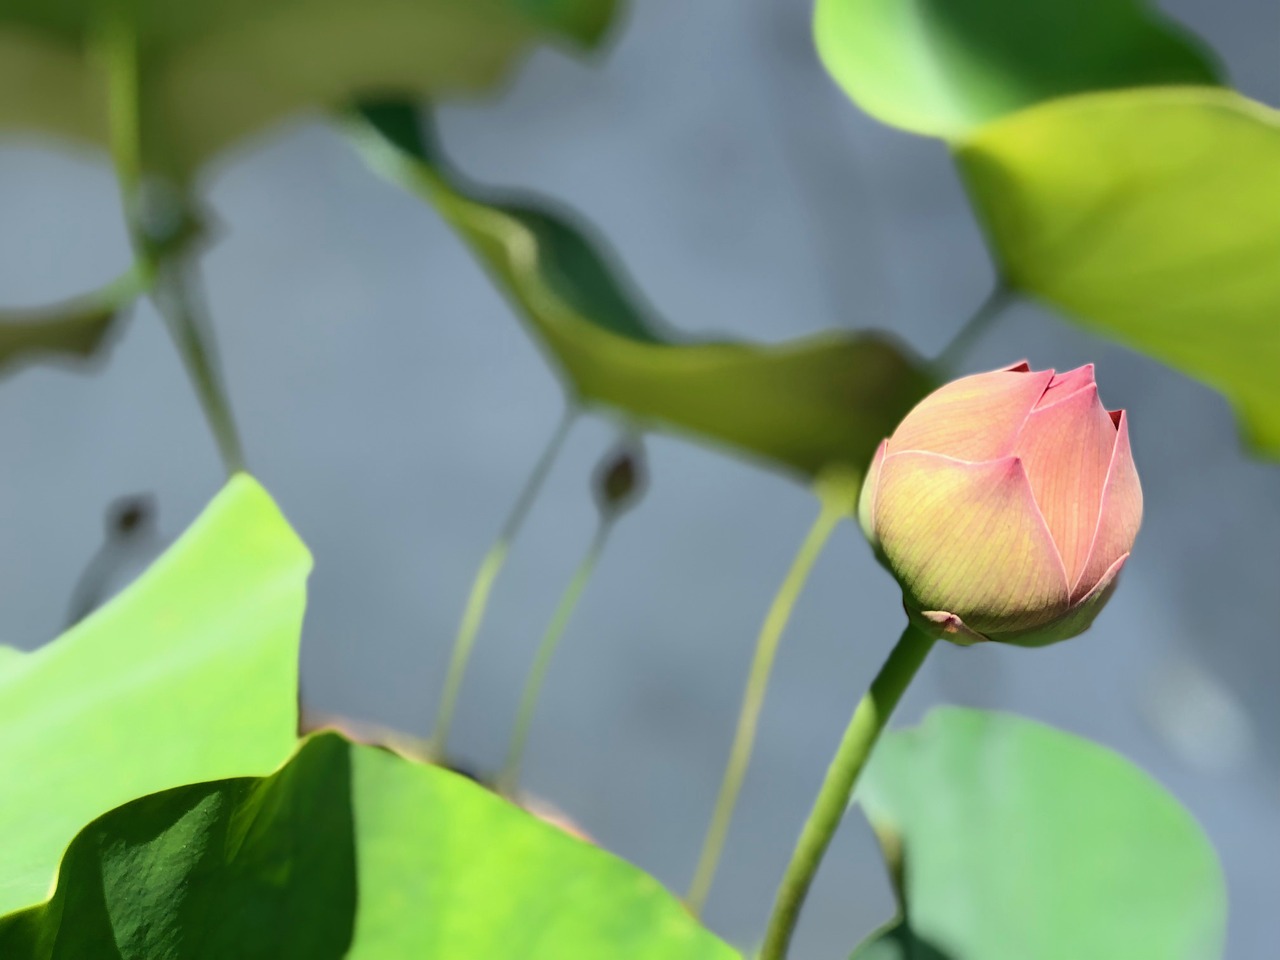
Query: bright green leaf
(189,674)
(1151,217)
(1015,840)
(941,67)
(825,401)
(269,869)
(215,71)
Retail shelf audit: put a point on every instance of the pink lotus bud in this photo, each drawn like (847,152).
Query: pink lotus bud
(1005,504)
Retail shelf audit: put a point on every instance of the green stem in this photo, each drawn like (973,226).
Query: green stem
(509,778)
(117,47)
(160,243)
(775,622)
(855,748)
(184,317)
(974,328)
(482,585)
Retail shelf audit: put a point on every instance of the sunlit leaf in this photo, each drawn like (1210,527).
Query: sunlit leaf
(1014,840)
(189,674)
(819,402)
(941,67)
(1151,217)
(270,868)
(217,70)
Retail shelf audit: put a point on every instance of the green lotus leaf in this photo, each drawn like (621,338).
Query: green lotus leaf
(189,674)
(942,67)
(808,405)
(216,71)
(1151,217)
(347,852)
(1009,839)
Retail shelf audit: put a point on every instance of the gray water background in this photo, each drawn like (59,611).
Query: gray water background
(392,405)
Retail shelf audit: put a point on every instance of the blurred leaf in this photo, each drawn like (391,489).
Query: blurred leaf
(77,328)
(189,674)
(1151,217)
(215,71)
(820,402)
(76,332)
(941,67)
(1016,840)
(269,869)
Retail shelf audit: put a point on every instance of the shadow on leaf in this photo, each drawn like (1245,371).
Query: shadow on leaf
(899,942)
(230,868)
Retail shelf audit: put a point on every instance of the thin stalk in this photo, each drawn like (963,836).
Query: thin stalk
(974,328)
(482,585)
(855,748)
(117,48)
(175,297)
(163,264)
(775,622)
(509,778)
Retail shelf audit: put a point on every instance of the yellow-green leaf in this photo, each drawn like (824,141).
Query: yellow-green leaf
(189,674)
(214,71)
(940,67)
(1151,217)
(824,401)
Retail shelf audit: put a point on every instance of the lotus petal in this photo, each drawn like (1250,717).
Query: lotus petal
(1066,448)
(973,418)
(946,626)
(1120,515)
(968,538)
(1064,384)
(867,496)
(1080,617)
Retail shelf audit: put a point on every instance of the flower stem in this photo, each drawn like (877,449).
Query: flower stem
(482,585)
(855,748)
(974,328)
(775,622)
(509,778)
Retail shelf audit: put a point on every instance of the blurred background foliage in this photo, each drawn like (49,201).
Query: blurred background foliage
(391,408)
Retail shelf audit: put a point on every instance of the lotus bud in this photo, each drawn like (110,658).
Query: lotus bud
(1005,504)
(620,479)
